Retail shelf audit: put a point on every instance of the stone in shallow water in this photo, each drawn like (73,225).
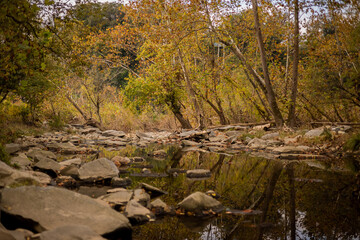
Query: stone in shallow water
(101,168)
(159,207)
(199,201)
(120,182)
(151,190)
(120,197)
(49,208)
(141,197)
(137,213)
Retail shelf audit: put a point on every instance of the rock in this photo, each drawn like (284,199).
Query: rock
(151,190)
(317,132)
(38,154)
(89,130)
(291,149)
(257,143)
(46,208)
(119,198)
(146,170)
(189,143)
(48,166)
(93,123)
(212,194)
(69,232)
(13,177)
(113,133)
(101,168)
(138,159)
(198,202)
(113,143)
(158,207)
(74,161)
(12,148)
(6,235)
(262,127)
(270,136)
(120,182)
(141,197)
(21,160)
(70,170)
(288,140)
(66,181)
(198,173)
(137,213)
(121,161)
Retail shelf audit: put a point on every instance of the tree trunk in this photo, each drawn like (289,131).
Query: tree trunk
(279,121)
(77,107)
(295,74)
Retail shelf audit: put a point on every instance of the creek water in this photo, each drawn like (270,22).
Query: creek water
(295,199)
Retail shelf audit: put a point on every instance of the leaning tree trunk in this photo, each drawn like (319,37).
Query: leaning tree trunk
(270,92)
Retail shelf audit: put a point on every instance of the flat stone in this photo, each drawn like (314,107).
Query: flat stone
(113,133)
(48,166)
(21,160)
(199,201)
(317,132)
(78,232)
(289,140)
(49,208)
(120,197)
(198,173)
(218,138)
(257,143)
(289,156)
(74,161)
(101,168)
(291,149)
(70,170)
(141,197)
(137,213)
(114,143)
(121,161)
(189,143)
(12,148)
(89,130)
(270,136)
(38,154)
(159,207)
(151,190)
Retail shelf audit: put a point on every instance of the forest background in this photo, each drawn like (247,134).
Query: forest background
(170,64)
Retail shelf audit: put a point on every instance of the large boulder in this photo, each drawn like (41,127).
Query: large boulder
(70,232)
(47,208)
(101,168)
(198,202)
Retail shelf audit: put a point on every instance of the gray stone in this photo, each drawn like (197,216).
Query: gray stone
(21,160)
(69,232)
(291,149)
(159,207)
(121,197)
(317,132)
(270,136)
(48,166)
(50,207)
(199,201)
(101,168)
(89,130)
(6,235)
(137,213)
(114,143)
(64,148)
(74,161)
(13,177)
(70,170)
(38,154)
(198,173)
(257,143)
(12,148)
(189,143)
(120,182)
(159,153)
(113,133)
(153,191)
(289,140)
(141,197)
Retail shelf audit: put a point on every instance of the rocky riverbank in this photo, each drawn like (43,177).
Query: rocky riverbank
(32,204)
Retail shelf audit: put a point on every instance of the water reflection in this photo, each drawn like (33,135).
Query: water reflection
(297,201)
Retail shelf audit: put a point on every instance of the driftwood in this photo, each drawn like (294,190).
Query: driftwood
(354,124)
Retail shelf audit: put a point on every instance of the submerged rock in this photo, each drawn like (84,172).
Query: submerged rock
(199,201)
(101,168)
(47,208)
